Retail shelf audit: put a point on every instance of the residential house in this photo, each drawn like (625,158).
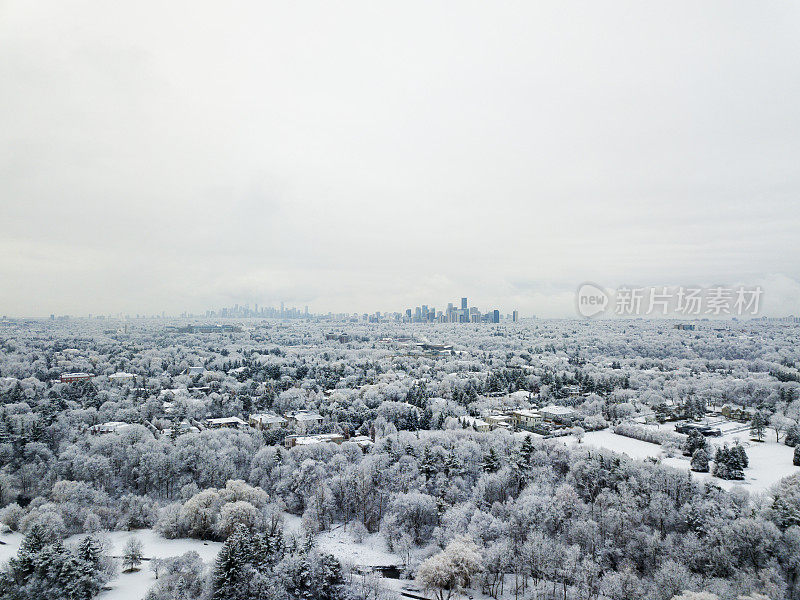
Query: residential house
(558,414)
(474,423)
(110,427)
(526,417)
(307,440)
(267,421)
(303,421)
(225,423)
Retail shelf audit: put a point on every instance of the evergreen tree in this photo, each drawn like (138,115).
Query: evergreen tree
(738,449)
(796,460)
(426,421)
(491,462)
(427,465)
(792,437)
(526,450)
(700,461)
(758,425)
(231,565)
(694,441)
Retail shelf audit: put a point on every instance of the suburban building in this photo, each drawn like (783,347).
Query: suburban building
(525,417)
(498,420)
(307,440)
(225,423)
(475,423)
(267,421)
(303,421)
(559,414)
(121,377)
(70,377)
(738,413)
(362,441)
(110,427)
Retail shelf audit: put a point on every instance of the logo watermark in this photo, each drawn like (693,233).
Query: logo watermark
(592,300)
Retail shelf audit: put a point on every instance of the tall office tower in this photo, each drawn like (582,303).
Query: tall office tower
(495,316)
(515,316)
(281,310)
(463,303)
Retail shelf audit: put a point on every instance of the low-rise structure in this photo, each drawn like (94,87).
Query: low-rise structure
(303,421)
(527,418)
(362,441)
(110,427)
(120,377)
(266,421)
(499,420)
(307,440)
(558,414)
(475,423)
(70,377)
(225,423)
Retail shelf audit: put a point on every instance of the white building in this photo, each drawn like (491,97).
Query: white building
(303,421)
(120,377)
(557,413)
(525,417)
(307,440)
(475,423)
(110,427)
(267,421)
(225,422)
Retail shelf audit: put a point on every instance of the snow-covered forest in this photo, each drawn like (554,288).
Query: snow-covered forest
(613,460)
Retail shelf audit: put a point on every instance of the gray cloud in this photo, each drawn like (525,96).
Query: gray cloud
(368,156)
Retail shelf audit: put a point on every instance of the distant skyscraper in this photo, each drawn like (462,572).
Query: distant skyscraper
(515,316)
(495,316)
(463,304)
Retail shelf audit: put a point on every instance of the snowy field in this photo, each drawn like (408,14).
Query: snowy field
(606,438)
(769,461)
(130,586)
(9,544)
(372,552)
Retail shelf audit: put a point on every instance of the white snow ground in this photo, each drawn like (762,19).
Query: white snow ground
(129,586)
(769,461)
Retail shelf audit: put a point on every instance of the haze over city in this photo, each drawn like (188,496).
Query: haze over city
(367,157)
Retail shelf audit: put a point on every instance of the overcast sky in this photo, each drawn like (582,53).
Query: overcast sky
(362,156)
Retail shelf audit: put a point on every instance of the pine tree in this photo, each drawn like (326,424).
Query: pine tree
(700,461)
(738,449)
(427,465)
(426,421)
(230,566)
(694,440)
(527,449)
(796,460)
(491,462)
(452,467)
(758,425)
